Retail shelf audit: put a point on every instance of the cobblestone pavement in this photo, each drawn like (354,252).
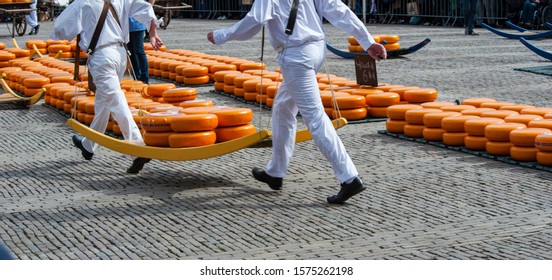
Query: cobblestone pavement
(422,202)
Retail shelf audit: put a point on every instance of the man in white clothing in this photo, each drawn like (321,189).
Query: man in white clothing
(32,19)
(301,54)
(107,62)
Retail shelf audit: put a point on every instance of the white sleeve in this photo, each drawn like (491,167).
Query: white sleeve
(246,28)
(339,15)
(142,11)
(69,23)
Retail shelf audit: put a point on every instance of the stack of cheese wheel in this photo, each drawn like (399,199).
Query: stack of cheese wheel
(475,128)
(391,42)
(349,106)
(192,130)
(64,47)
(174,74)
(19,53)
(47,89)
(229,86)
(455,133)
(155,91)
(415,122)
(82,53)
(543,143)
(271,79)
(420,95)
(176,96)
(233,123)
(476,101)
(157,128)
(271,92)
(195,75)
(219,78)
(354,46)
(498,137)
(245,86)
(523,143)
(456,108)
(40,46)
(5,58)
(33,84)
(251,65)
(432,122)
(396,117)
(250,89)
(438,104)
(378,103)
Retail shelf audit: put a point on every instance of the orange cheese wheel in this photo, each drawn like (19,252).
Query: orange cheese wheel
(194,122)
(525,137)
(352,40)
(192,139)
(158,122)
(495,105)
(548,116)
(31,91)
(399,89)
(475,143)
(234,132)
(219,86)
(157,139)
(179,94)
(437,104)
(384,99)
(262,87)
(455,123)
(38,43)
(223,67)
(433,120)
(250,95)
(389,39)
(414,130)
(88,118)
(392,46)
(433,134)
(19,52)
(350,114)
(544,158)
(89,107)
(523,118)
(377,112)
(476,101)
(194,71)
(261,98)
(6,56)
(544,123)
(229,78)
(476,127)
(543,142)
(416,116)
(56,48)
(395,126)
(238,92)
(476,111)
(233,116)
(196,103)
(158,89)
(498,148)
(454,138)
(36,82)
(516,107)
(421,95)
(229,88)
(347,101)
(196,80)
(541,111)
(501,114)
(203,109)
(526,154)
(239,80)
(251,85)
(500,132)
(251,66)
(355,48)
(365,91)
(397,112)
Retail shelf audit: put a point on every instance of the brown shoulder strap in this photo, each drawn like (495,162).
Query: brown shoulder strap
(95,36)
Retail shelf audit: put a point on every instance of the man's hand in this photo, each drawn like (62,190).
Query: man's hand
(377,51)
(156,42)
(210,37)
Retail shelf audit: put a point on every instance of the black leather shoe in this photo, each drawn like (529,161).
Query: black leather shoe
(32,32)
(347,191)
(36,29)
(137,165)
(473,34)
(273,182)
(77,141)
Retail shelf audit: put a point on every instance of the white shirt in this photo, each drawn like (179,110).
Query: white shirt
(81,17)
(308,26)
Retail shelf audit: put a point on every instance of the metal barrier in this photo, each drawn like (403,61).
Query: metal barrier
(438,12)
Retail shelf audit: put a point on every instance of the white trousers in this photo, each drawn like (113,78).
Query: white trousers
(107,66)
(31,18)
(299,93)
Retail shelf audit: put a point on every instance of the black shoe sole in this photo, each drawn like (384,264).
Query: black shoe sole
(137,165)
(77,141)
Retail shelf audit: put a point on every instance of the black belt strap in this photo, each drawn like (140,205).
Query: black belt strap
(292,17)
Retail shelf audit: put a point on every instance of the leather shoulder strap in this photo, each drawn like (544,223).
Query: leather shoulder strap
(292,17)
(99,27)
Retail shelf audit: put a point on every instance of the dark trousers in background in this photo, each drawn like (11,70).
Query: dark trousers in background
(138,56)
